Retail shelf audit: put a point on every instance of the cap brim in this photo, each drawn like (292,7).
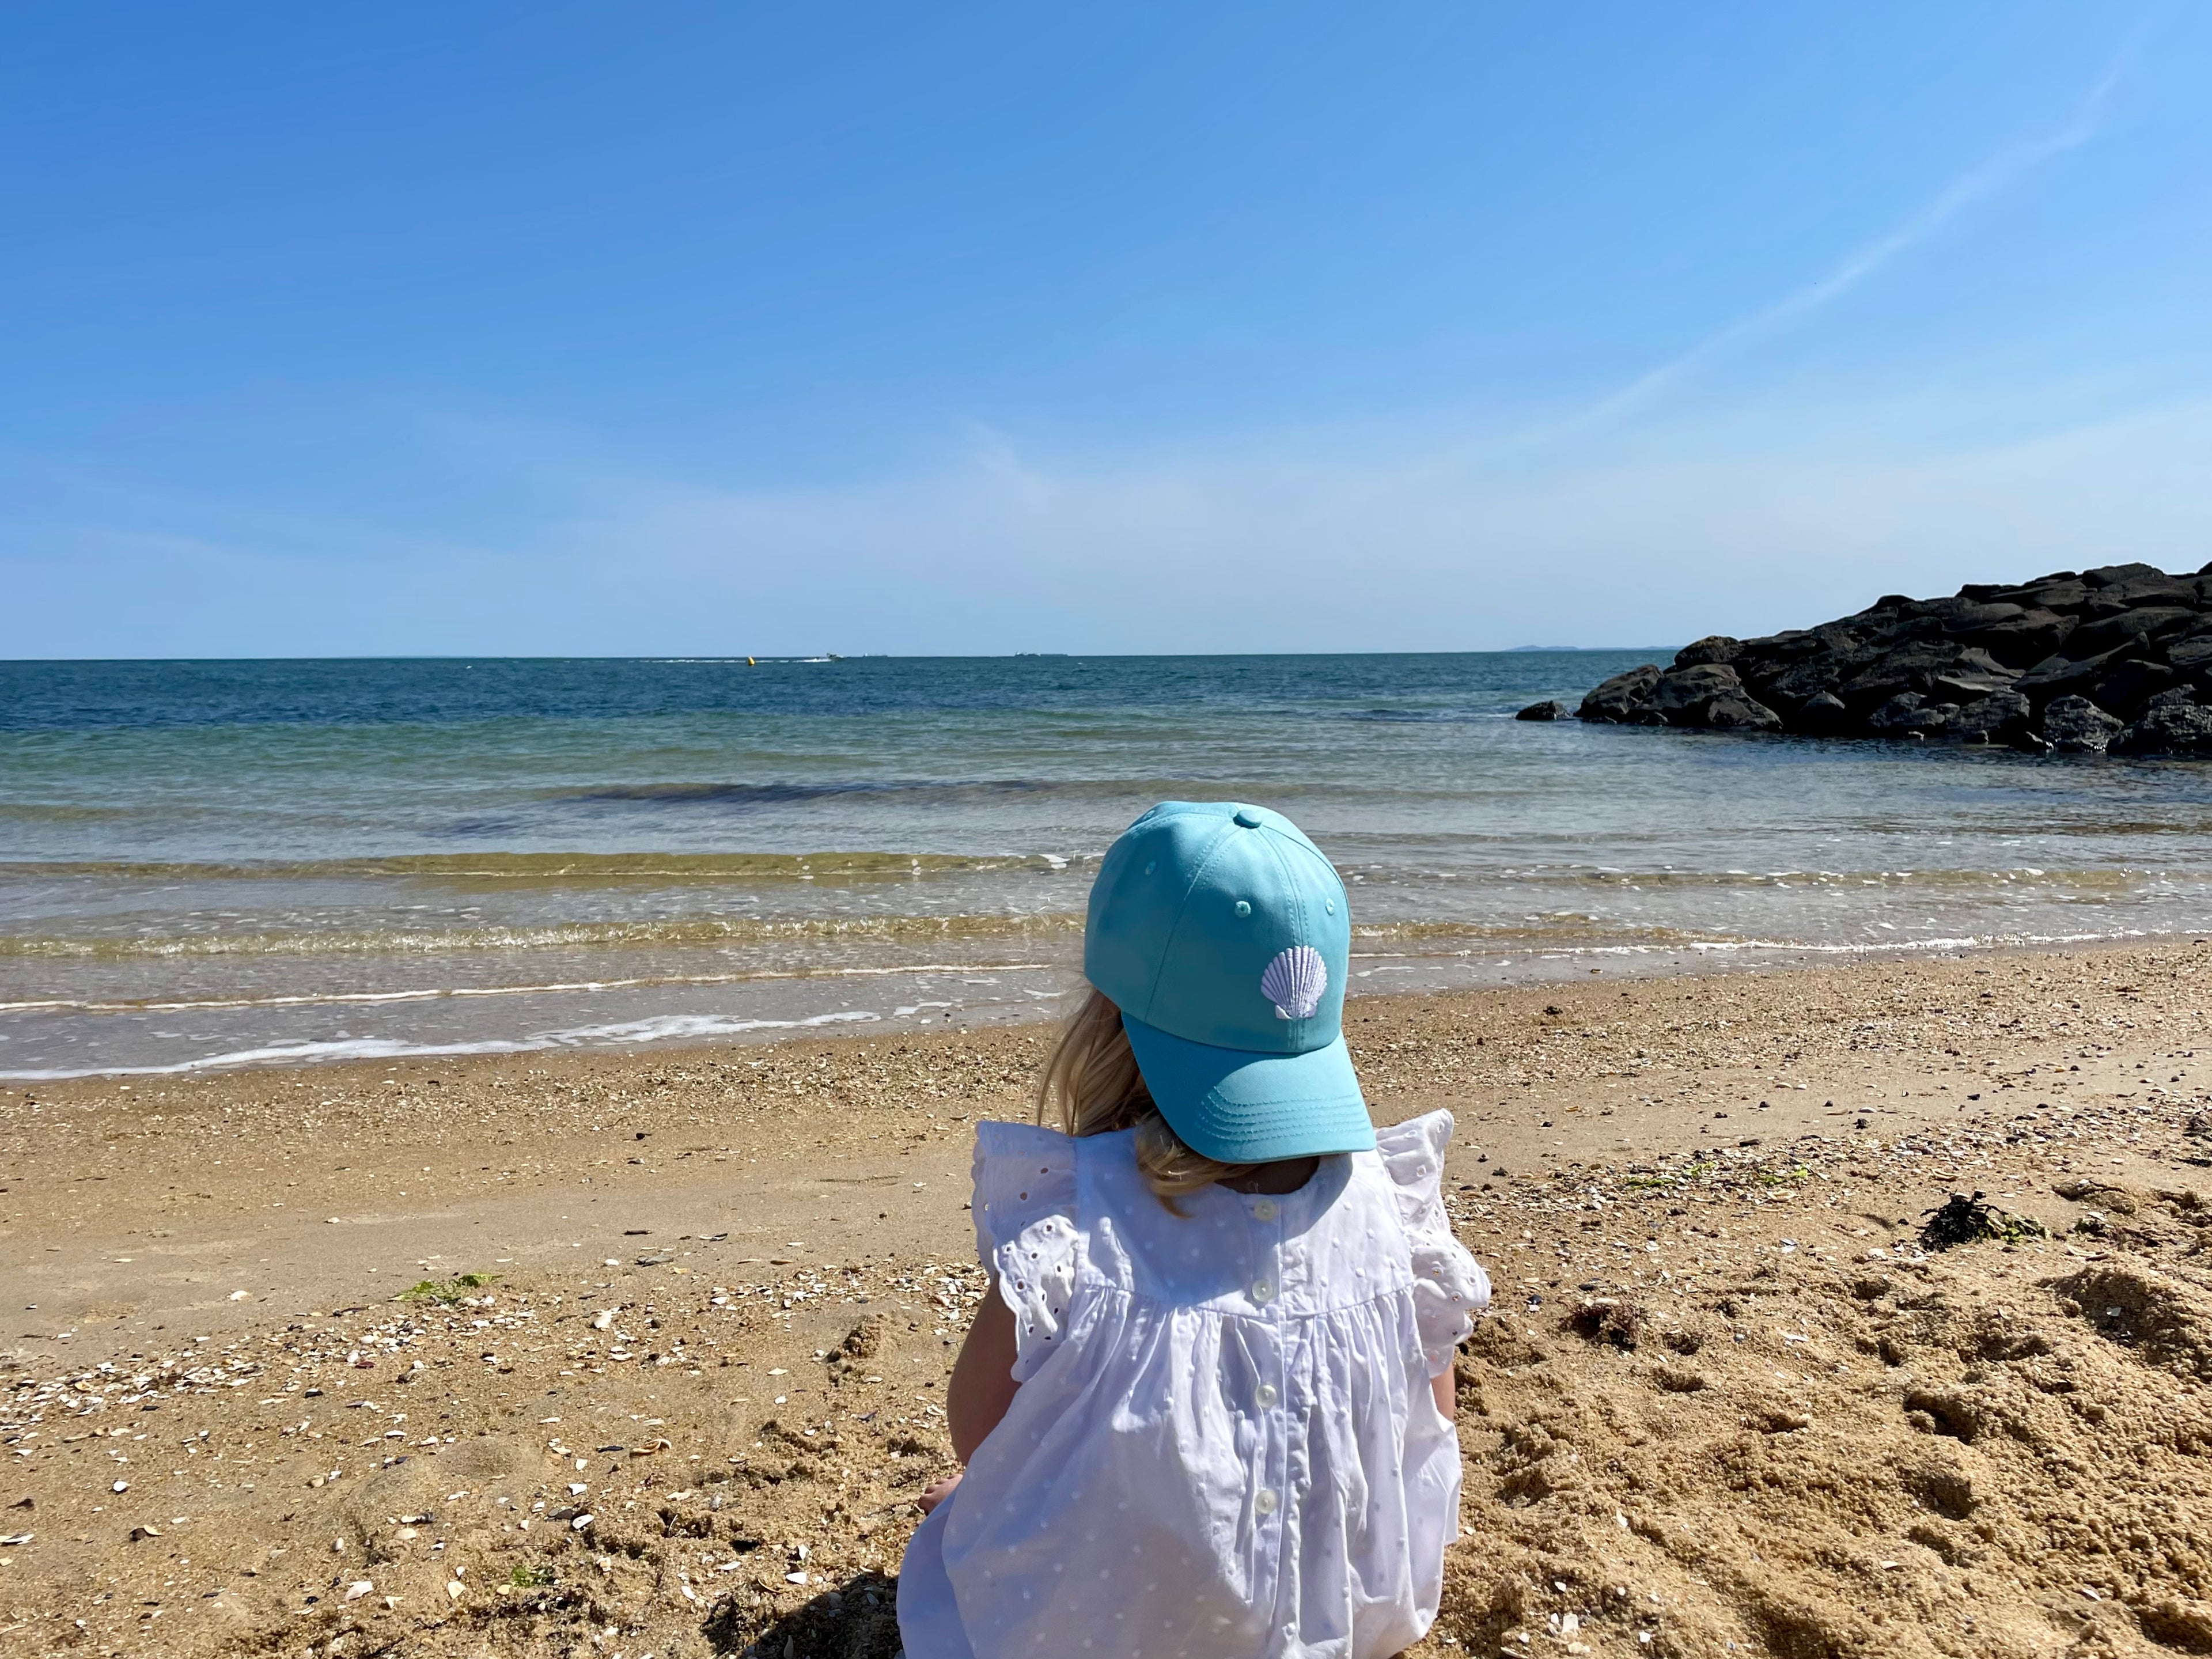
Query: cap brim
(1238,1106)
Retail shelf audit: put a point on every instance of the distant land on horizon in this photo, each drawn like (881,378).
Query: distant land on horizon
(759,658)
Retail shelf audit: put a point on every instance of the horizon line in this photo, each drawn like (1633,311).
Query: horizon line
(786,660)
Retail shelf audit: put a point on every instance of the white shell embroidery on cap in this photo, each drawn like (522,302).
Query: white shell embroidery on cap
(1295,982)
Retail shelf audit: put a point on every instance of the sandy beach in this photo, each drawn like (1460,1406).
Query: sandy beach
(643,1354)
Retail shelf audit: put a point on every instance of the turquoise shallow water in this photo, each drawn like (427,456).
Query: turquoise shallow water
(205,864)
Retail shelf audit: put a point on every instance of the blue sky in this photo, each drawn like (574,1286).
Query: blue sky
(558,329)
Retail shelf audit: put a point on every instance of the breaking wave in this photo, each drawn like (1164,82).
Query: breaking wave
(611,935)
(696,1028)
(586,869)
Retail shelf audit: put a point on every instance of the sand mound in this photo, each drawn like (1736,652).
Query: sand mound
(1963,1453)
(2168,1322)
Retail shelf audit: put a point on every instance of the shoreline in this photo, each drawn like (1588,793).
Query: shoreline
(246,1297)
(674,1035)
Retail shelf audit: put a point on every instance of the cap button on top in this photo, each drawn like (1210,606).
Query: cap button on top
(1249,820)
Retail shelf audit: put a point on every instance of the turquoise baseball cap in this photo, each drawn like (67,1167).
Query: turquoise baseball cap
(1222,935)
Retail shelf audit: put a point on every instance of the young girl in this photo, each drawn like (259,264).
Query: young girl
(1208,1413)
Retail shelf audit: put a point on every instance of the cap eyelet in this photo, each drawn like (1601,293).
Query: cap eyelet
(1243,907)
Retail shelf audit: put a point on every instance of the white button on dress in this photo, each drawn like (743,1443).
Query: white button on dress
(1191,1377)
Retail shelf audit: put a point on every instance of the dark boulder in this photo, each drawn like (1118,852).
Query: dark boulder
(2059,677)
(2118,575)
(2062,593)
(1902,716)
(2142,584)
(2123,597)
(1965,687)
(1973,617)
(1680,694)
(1909,714)
(1706,694)
(1714,647)
(1543,711)
(1620,696)
(2191,654)
(2128,689)
(2075,725)
(1800,684)
(1916,665)
(2150,622)
(1823,715)
(2001,717)
(2173,724)
(1733,711)
(2024,638)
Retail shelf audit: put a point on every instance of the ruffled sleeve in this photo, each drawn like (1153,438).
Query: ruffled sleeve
(1025,1233)
(1449,1287)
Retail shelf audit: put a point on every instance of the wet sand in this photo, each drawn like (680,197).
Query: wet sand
(1727,1402)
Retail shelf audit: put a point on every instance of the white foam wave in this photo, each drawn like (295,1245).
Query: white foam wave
(56,1005)
(1787,946)
(691,1027)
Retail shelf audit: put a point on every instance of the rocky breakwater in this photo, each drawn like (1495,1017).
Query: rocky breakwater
(2117,659)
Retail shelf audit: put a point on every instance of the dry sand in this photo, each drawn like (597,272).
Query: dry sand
(1727,1402)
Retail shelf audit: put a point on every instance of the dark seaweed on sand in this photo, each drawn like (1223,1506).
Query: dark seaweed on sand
(1961,1220)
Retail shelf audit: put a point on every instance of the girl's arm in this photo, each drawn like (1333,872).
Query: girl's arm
(982,1388)
(1447,1395)
(982,1385)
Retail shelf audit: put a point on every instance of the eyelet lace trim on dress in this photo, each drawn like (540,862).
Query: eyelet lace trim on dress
(1449,1287)
(1024,1229)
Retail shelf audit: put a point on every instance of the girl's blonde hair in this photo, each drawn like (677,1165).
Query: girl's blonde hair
(1093,1079)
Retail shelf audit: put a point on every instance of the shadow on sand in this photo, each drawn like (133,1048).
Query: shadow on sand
(859,1620)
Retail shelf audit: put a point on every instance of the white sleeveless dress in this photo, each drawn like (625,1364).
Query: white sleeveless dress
(1224,1443)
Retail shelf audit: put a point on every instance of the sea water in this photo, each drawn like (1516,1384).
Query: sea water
(213,863)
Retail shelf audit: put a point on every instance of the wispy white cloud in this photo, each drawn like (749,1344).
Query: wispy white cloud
(1999,171)
(1381,544)
(1376,551)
